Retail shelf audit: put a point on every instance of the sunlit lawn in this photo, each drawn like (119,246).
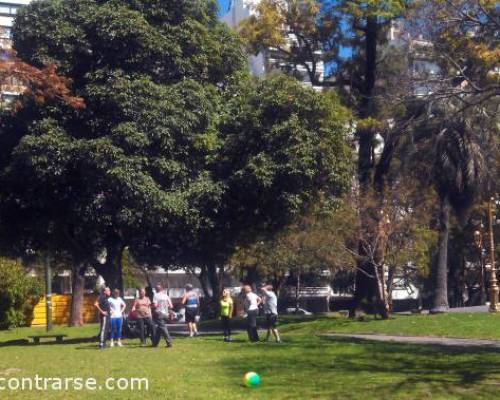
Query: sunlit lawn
(305,366)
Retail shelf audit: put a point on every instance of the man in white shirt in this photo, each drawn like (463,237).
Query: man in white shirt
(252,302)
(271,312)
(162,304)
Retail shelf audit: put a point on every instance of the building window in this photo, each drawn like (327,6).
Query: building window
(8,9)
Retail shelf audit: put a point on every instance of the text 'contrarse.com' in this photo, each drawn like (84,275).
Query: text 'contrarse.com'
(70,384)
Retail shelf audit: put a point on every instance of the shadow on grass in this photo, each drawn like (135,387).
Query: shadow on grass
(26,342)
(430,364)
(388,368)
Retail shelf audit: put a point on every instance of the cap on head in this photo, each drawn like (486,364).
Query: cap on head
(189,287)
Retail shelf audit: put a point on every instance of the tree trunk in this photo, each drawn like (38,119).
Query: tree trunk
(111,270)
(78,288)
(297,292)
(366,286)
(383,298)
(365,290)
(211,285)
(215,284)
(440,299)
(205,286)
(251,275)
(390,285)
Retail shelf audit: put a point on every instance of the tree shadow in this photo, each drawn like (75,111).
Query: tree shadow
(29,343)
(390,368)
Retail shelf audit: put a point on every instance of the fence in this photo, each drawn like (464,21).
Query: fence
(61,310)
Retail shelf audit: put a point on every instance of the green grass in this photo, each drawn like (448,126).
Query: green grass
(305,366)
(456,325)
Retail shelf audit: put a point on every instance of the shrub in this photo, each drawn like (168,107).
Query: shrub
(19,292)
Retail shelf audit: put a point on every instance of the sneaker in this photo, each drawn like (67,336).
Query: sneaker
(169,344)
(119,343)
(111,344)
(102,346)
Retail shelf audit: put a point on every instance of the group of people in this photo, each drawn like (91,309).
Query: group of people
(252,303)
(154,314)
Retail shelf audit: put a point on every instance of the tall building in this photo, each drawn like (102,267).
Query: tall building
(269,59)
(423,68)
(10,87)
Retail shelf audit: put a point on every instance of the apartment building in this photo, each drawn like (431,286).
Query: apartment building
(10,87)
(268,60)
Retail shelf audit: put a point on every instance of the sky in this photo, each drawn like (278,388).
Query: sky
(223,6)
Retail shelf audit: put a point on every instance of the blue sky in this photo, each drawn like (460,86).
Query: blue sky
(223,6)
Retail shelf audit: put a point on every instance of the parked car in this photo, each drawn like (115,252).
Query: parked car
(297,311)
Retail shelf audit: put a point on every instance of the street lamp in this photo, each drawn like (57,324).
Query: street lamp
(478,242)
(494,306)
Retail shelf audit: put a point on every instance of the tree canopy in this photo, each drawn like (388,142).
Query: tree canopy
(178,154)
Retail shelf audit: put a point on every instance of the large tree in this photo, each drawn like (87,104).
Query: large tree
(312,32)
(281,148)
(85,181)
(177,154)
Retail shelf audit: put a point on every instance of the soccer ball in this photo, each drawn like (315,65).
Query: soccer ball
(251,379)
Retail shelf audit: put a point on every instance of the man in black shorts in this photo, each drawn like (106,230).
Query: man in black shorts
(191,301)
(271,312)
(103,306)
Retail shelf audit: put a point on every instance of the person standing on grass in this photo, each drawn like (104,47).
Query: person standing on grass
(226,312)
(191,300)
(117,306)
(252,302)
(102,305)
(162,305)
(271,312)
(142,308)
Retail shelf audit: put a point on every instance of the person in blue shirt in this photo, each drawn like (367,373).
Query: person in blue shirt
(191,301)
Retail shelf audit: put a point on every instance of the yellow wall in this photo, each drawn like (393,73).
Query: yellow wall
(61,310)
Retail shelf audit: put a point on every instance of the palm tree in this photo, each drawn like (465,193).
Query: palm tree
(459,166)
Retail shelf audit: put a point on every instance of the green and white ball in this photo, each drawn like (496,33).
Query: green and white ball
(251,379)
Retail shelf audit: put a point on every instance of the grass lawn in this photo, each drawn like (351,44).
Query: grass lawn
(456,325)
(306,366)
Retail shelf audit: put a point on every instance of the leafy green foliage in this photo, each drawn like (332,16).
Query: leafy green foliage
(19,293)
(177,154)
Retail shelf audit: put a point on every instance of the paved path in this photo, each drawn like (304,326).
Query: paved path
(441,341)
(473,309)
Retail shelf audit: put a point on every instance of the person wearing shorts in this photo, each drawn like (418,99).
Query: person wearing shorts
(271,312)
(191,301)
